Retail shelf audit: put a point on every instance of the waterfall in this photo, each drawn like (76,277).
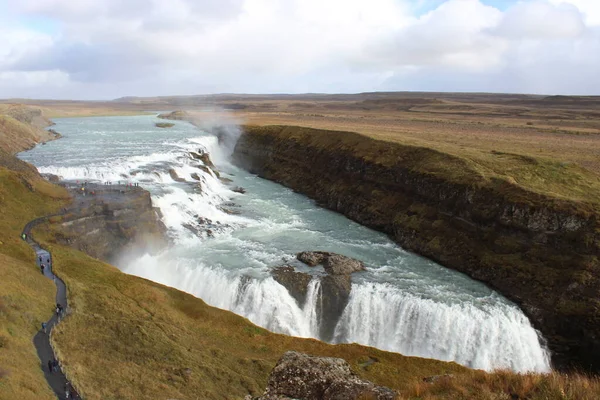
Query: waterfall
(312,305)
(479,337)
(428,317)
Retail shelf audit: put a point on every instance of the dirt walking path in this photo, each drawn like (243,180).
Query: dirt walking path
(55,376)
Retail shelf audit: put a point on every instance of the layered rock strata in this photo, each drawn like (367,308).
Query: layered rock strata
(107,222)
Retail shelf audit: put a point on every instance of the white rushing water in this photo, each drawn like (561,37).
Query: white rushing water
(402,303)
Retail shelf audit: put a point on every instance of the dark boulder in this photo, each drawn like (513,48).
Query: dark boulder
(229,211)
(312,258)
(335,286)
(334,264)
(204,168)
(210,171)
(295,282)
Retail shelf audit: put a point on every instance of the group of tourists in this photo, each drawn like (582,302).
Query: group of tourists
(128,184)
(85,191)
(42,265)
(59,310)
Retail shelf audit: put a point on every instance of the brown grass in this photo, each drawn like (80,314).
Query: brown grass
(506,385)
(26,297)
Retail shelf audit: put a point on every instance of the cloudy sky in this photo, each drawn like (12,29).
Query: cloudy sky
(103,49)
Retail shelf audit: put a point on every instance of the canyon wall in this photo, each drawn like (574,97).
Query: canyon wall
(112,223)
(540,252)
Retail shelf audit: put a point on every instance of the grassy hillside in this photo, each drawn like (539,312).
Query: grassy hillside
(22,127)
(26,297)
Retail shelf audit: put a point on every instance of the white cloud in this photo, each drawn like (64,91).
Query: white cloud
(20,43)
(541,20)
(589,8)
(111,48)
(454,34)
(33,79)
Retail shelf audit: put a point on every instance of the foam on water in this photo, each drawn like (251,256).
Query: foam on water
(402,303)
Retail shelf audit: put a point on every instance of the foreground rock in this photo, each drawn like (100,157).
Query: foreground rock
(542,252)
(300,376)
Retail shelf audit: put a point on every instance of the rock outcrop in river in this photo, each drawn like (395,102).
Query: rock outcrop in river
(300,376)
(335,286)
(541,252)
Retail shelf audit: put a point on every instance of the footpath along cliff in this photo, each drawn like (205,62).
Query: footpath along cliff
(539,251)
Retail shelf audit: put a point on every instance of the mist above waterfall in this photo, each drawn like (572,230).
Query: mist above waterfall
(222,125)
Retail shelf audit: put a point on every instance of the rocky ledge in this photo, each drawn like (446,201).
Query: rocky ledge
(106,221)
(541,252)
(300,376)
(336,285)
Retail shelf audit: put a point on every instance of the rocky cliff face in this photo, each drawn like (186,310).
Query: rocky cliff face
(538,251)
(112,221)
